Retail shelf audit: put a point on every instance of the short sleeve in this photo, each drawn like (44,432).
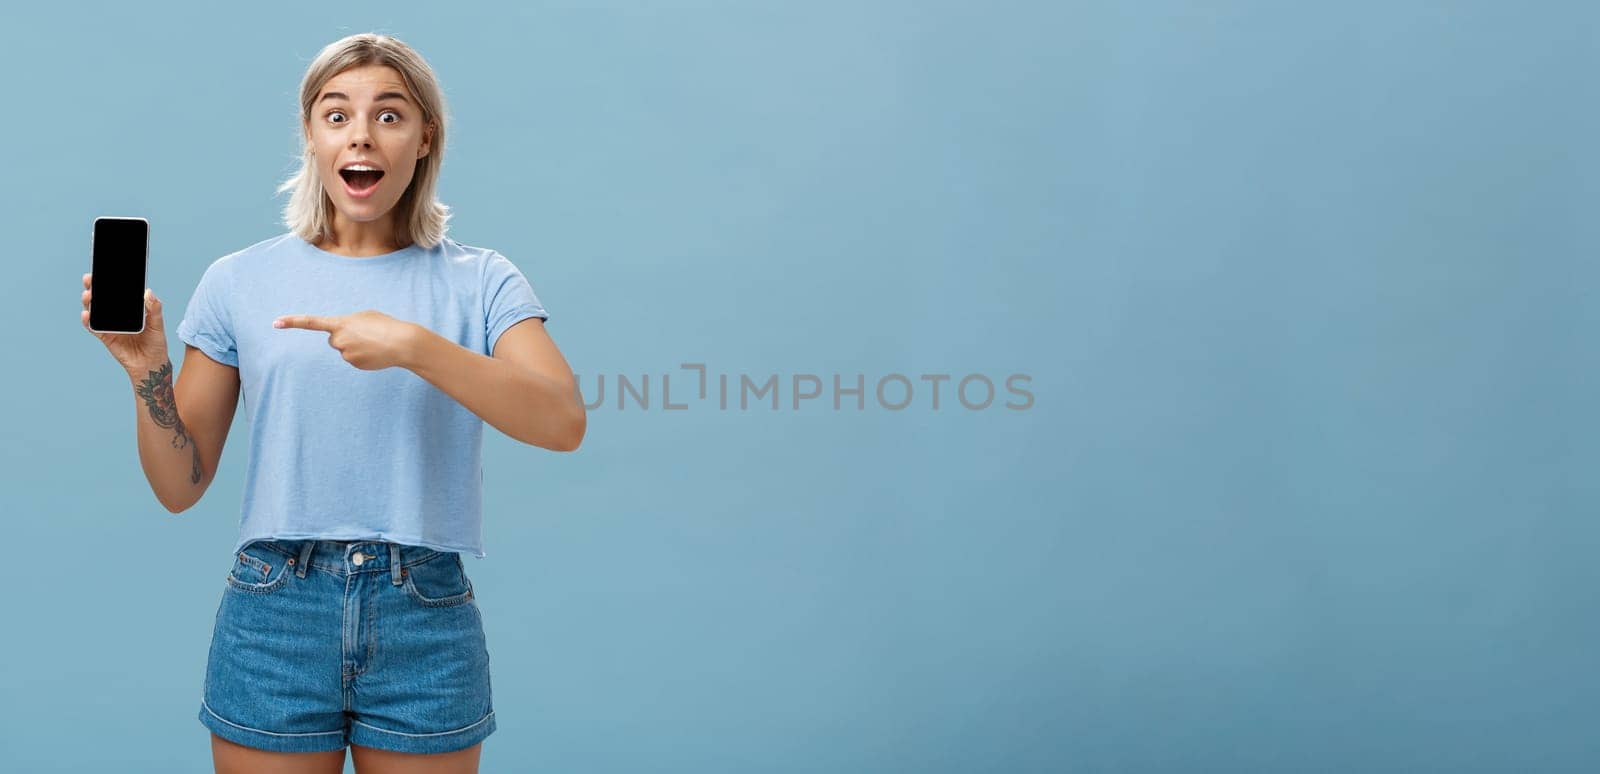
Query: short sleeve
(507,299)
(206,323)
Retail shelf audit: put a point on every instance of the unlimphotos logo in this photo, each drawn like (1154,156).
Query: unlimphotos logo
(893,391)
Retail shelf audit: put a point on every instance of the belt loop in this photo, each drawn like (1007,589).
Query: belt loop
(394,562)
(305,557)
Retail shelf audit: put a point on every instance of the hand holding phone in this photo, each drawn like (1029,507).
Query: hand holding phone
(118,309)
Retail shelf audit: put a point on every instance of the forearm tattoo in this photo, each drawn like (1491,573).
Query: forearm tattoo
(157,393)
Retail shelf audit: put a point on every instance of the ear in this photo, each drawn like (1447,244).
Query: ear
(427,141)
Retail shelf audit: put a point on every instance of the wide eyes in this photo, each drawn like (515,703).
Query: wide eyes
(340,113)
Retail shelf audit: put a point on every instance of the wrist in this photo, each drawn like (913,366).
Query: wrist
(139,373)
(416,347)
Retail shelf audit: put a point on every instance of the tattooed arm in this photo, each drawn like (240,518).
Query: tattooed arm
(180,452)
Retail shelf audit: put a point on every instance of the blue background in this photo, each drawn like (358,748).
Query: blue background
(1307,482)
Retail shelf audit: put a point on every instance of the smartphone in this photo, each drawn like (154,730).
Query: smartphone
(116,279)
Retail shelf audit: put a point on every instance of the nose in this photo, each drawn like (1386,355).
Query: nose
(360,137)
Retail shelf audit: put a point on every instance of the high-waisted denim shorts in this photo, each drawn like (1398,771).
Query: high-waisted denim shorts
(320,644)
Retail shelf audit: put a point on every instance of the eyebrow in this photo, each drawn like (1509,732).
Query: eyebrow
(381,97)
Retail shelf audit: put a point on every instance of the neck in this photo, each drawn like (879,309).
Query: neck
(358,239)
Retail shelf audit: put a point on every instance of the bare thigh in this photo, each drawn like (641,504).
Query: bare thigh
(230,758)
(370,760)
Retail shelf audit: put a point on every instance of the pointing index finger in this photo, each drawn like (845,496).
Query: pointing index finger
(307,321)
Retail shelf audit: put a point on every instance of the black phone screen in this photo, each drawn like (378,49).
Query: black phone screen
(116,278)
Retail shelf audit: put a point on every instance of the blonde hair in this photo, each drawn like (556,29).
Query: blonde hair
(419,216)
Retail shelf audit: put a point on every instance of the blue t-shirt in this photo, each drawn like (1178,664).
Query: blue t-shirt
(337,452)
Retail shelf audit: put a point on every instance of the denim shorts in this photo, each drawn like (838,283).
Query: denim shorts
(320,644)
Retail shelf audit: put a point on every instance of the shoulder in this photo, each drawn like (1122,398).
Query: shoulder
(252,254)
(486,264)
(462,254)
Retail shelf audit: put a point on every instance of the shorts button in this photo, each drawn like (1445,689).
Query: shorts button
(358,559)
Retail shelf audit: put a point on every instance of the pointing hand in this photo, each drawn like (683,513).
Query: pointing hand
(369,340)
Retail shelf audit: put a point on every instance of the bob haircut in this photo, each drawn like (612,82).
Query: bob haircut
(419,216)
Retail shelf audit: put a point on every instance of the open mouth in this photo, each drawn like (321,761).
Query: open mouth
(360,182)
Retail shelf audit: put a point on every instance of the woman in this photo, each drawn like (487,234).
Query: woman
(370,350)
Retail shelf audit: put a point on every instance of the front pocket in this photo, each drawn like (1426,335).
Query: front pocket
(438,581)
(258,570)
